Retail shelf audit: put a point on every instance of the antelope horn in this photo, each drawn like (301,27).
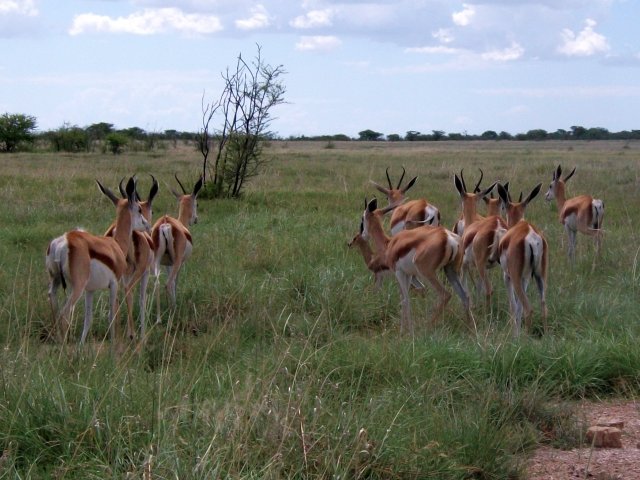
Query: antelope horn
(477,188)
(401,177)
(464,185)
(388,179)
(184,192)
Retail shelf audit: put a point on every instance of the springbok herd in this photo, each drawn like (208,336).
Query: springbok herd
(127,253)
(418,248)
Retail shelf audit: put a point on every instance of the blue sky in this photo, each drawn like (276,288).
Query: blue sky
(390,66)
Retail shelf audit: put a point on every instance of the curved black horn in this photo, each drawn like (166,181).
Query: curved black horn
(121,188)
(401,177)
(464,185)
(184,192)
(389,179)
(477,187)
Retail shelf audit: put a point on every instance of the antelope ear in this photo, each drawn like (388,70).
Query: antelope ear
(197,187)
(110,195)
(486,191)
(410,184)
(533,193)
(570,175)
(379,187)
(131,190)
(373,205)
(504,194)
(154,190)
(459,185)
(558,172)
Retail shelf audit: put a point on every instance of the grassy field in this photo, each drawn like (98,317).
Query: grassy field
(281,360)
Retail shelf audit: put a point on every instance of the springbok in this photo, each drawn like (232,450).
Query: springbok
(87,263)
(523,254)
(375,263)
(469,201)
(480,241)
(172,239)
(419,252)
(412,212)
(578,214)
(140,259)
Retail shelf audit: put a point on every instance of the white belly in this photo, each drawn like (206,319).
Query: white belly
(405,264)
(571,221)
(100,276)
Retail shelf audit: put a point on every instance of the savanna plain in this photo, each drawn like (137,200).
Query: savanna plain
(281,360)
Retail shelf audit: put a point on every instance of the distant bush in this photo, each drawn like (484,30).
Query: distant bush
(115,142)
(69,139)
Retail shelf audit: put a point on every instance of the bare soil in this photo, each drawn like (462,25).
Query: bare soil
(595,463)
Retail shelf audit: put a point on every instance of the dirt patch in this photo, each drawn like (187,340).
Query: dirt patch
(601,464)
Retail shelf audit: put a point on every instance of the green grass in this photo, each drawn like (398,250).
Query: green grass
(281,360)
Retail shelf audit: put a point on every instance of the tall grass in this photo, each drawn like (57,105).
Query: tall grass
(281,360)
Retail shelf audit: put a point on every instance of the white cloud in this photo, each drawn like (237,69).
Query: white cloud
(322,43)
(443,35)
(313,19)
(585,43)
(596,91)
(259,19)
(463,18)
(440,49)
(513,52)
(147,22)
(21,7)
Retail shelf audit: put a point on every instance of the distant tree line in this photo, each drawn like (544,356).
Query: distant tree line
(18,133)
(575,133)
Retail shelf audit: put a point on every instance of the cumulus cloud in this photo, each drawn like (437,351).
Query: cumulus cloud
(321,43)
(583,44)
(463,18)
(514,52)
(147,22)
(313,19)
(259,19)
(20,7)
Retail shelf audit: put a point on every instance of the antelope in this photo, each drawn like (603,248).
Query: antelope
(88,263)
(480,241)
(420,252)
(140,259)
(172,240)
(523,254)
(414,211)
(469,202)
(578,214)
(374,262)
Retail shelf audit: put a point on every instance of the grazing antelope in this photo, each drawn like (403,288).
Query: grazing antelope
(480,241)
(523,254)
(578,214)
(411,212)
(172,239)
(140,259)
(87,263)
(420,252)
(374,262)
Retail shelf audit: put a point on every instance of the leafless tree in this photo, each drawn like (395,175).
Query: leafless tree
(233,153)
